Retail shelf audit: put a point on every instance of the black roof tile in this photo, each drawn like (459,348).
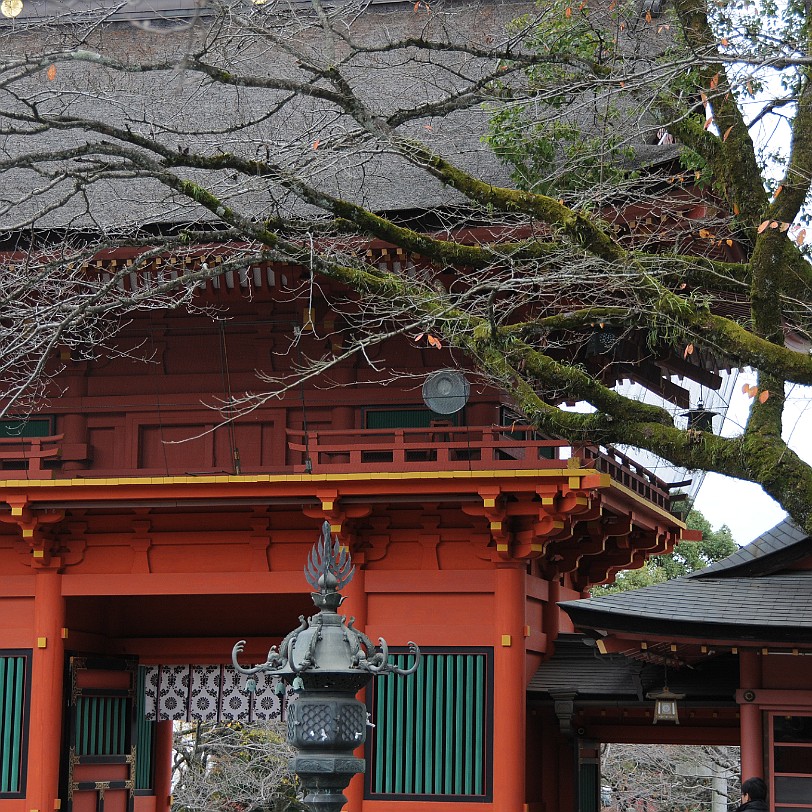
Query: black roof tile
(760,553)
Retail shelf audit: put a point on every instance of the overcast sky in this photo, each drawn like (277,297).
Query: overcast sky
(744,507)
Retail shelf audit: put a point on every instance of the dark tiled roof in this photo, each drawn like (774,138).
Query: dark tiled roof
(771,608)
(761,553)
(578,667)
(187,110)
(750,595)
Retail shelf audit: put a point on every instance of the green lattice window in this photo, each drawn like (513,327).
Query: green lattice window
(33,427)
(144,738)
(407,417)
(101,726)
(13,722)
(432,735)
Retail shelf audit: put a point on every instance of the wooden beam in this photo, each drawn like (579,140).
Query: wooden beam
(679,366)
(650,377)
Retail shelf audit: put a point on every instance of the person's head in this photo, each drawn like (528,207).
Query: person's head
(754,789)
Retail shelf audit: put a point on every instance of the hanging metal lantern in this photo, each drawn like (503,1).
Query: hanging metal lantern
(700,418)
(665,705)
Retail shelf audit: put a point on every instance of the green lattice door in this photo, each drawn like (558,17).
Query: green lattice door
(101,753)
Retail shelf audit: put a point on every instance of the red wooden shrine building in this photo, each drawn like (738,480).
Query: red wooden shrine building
(139,539)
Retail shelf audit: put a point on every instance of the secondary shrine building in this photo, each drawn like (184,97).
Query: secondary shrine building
(140,537)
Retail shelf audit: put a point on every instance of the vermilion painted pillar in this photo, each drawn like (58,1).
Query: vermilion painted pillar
(48,663)
(509,709)
(163,766)
(356,606)
(752,734)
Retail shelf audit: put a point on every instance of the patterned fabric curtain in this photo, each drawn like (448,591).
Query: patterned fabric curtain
(210,693)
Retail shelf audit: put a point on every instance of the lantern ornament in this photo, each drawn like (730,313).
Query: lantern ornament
(665,705)
(700,418)
(326,661)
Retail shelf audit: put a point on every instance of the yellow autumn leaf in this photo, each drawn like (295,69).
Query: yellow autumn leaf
(778,191)
(762,398)
(51,74)
(727,133)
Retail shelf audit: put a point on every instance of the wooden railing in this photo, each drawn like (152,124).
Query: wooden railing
(625,471)
(473,448)
(437,448)
(434,448)
(22,457)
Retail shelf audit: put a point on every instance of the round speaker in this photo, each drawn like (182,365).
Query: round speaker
(446,391)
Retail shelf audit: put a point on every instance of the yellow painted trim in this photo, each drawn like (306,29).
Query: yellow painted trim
(507,640)
(88,482)
(42,642)
(601,646)
(572,476)
(649,505)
